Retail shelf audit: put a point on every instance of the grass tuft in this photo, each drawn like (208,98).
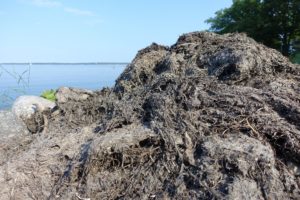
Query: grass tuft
(49,94)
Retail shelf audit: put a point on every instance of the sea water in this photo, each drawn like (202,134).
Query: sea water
(33,79)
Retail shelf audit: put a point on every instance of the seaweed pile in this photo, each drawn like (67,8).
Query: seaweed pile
(211,117)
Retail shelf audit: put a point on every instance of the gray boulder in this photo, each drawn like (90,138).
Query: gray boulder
(32,111)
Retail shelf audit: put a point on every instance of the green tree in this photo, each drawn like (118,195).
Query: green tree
(275,23)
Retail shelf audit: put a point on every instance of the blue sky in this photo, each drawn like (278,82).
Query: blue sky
(95,30)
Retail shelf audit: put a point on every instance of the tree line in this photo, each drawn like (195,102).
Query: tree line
(275,23)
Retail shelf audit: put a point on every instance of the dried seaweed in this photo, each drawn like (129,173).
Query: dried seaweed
(211,117)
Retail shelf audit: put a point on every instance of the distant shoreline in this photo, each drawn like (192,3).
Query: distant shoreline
(67,63)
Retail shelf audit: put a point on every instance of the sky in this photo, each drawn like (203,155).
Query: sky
(96,30)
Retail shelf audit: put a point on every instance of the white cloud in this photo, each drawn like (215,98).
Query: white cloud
(58,3)
(46,3)
(76,11)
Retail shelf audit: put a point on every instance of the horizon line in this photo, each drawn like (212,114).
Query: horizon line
(65,63)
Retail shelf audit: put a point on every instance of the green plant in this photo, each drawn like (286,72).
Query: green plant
(295,58)
(49,94)
(273,23)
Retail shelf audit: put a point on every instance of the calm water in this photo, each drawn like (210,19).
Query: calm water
(16,80)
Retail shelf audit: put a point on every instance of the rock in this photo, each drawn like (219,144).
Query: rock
(65,94)
(31,110)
